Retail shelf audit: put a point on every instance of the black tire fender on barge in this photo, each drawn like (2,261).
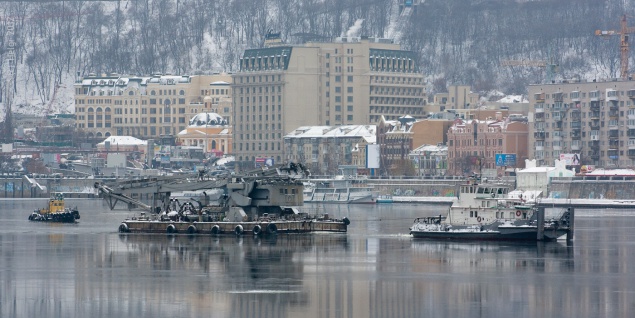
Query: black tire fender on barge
(191,229)
(171,229)
(239,230)
(272,228)
(216,229)
(257,229)
(123,228)
(346,221)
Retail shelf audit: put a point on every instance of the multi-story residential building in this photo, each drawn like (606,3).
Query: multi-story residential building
(346,82)
(324,148)
(395,143)
(594,120)
(146,107)
(457,97)
(473,144)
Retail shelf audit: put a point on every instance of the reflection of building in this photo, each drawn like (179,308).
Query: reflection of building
(146,107)
(473,144)
(209,131)
(593,119)
(325,148)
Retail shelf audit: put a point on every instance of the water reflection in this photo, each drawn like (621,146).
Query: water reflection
(375,270)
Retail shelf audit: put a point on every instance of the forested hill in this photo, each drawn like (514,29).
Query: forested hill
(458,41)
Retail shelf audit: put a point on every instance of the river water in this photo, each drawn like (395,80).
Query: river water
(375,270)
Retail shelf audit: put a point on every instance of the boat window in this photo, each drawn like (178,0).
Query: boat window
(475,214)
(471,214)
(511,214)
(281,191)
(501,191)
(293,191)
(481,190)
(497,215)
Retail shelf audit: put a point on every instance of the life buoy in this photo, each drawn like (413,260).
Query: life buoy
(518,213)
(191,229)
(272,228)
(479,219)
(238,229)
(346,221)
(257,229)
(216,229)
(123,228)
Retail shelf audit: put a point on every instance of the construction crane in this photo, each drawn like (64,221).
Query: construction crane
(624,31)
(551,67)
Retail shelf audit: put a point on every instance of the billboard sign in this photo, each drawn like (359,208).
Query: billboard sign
(505,159)
(372,156)
(570,159)
(261,162)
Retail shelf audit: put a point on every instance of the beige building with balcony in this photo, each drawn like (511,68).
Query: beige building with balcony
(594,120)
(147,107)
(351,81)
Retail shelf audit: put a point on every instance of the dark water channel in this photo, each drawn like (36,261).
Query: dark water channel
(375,270)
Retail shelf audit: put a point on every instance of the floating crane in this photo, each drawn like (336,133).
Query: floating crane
(624,31)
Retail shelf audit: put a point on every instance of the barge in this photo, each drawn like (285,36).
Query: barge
(260,202)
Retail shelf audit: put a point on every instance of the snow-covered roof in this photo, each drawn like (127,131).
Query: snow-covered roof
(513,99)
(207,119)
(123,140)
(611,172)
(368,132)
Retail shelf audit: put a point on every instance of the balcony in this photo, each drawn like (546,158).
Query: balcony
(539,97)
(594,115)
(558,126)
(631,94)
(613,145)
(575,96)
(540,117)
(575,147)
(613,105)
(613,134)
(576,135)
(539,110)
(557,97)
(611,95)
(614,114)
(631,154)
(540,148)
(594,96)
(595,155)
(631,144)
(539,135)
(595,125)
(594,105)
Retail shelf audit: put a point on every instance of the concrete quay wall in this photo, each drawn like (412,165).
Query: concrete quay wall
(582,188)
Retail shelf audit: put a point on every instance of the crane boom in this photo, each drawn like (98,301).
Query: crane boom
(624,31)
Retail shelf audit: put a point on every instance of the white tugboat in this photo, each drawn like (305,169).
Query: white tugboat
(484,212)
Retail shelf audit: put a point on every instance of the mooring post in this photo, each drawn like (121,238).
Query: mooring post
(571,224)
(540,218)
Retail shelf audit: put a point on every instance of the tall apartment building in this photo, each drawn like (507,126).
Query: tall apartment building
(473,144)
(595,120)
(147,107)
(346,82)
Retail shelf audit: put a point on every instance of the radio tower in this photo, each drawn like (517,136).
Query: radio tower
(7,83)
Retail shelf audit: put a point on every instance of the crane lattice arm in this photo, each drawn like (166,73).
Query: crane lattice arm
(624,31)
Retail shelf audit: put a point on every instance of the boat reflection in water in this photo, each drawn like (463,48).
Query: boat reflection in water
(236,270)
